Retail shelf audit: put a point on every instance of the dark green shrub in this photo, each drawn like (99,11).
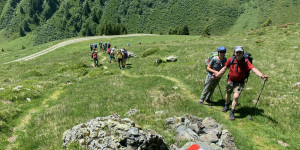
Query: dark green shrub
(267,23)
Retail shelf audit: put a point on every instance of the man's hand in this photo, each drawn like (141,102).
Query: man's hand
(265,77)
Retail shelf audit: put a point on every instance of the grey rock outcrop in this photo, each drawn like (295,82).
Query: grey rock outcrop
(207,133)
(112,132)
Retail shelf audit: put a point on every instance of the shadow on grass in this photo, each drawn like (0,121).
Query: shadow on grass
(128,66)
(220,102)
(251,111)
(245,111)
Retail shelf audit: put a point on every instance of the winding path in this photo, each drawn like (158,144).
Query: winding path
(32,56)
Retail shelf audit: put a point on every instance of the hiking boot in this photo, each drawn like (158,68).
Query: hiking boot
(201,101)
(225,109)
(231,115)
(208,101)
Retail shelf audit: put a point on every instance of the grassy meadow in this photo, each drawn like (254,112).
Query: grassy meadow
(65,89)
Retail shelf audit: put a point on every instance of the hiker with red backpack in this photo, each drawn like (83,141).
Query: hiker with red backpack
(95,57)
(213,67)
(239,67)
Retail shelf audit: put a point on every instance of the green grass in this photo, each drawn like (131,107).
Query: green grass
(146,86)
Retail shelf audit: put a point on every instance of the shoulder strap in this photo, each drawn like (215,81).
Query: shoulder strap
(232,60)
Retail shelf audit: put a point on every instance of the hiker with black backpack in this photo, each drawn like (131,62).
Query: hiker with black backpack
(91,46)
(125,55)
(239,67)
(215,64)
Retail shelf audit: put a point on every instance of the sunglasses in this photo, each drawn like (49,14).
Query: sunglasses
(239,52)
(222,52)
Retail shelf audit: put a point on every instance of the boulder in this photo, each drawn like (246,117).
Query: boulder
(207,133)
(131,54)
(171,59)
(112,132)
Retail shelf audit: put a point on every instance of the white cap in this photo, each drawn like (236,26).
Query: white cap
(239,48)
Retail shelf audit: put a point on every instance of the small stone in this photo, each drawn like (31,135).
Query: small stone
(28,99)
(282,143)
(159,112)
(17,88)
(297,84)
(294,47)
(175,87)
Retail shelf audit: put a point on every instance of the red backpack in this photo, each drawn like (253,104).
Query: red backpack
(94,55)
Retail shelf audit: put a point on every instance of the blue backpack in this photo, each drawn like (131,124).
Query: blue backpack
(125,54)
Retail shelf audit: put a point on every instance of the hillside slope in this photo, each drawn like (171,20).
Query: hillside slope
(59,19)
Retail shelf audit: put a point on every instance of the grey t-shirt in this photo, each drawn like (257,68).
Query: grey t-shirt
(217,64)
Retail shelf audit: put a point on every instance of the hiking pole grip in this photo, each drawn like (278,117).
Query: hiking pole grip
(254,108)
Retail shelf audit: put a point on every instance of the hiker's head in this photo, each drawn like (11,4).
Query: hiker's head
(238,52)
(221,50)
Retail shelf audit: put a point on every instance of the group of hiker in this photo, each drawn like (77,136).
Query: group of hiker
(120,56)
(239,66)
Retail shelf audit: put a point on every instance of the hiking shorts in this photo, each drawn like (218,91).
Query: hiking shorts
(234,87)
(119,60)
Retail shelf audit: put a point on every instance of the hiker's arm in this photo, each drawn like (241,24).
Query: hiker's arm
(221,72)
(258,73)
(211,70)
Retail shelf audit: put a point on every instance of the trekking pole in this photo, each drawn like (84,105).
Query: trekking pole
(220,91)
(257,100)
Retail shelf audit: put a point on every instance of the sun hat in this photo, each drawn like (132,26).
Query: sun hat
(239,49)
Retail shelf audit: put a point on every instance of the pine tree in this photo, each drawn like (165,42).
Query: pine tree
(26,26)
(22,32)
(86,9)
(185,30)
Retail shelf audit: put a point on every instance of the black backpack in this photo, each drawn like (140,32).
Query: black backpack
(246,57)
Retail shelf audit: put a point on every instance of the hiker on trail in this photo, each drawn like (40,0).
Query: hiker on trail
(112,54)
(120,57)
(238,66)
(100,45)
(108,45)
(95,57)
(125,56)
(128,44)
(213,67)
(95,45)
(91,46)
(104,46)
